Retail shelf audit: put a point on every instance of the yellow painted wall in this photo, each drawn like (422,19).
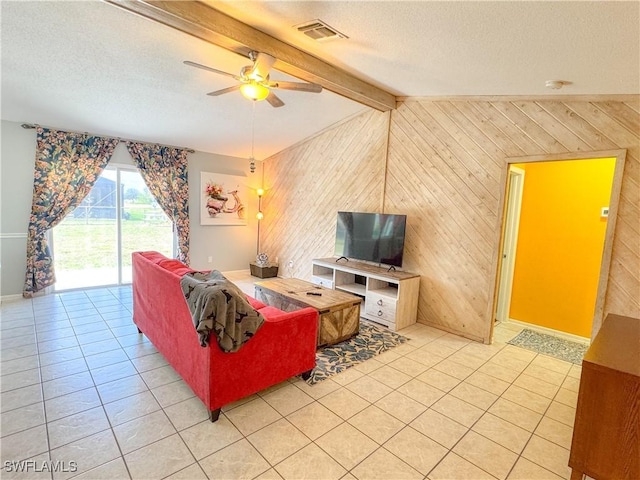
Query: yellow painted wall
(560,243)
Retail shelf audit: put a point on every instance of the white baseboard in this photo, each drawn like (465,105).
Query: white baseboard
(237,272)
(10,298)
(551,331)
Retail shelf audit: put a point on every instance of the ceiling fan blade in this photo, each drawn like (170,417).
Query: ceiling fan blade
(209,69)
(262,66)
(301,87)
(224,90)
(273,99)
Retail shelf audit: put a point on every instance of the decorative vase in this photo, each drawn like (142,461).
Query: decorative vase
(262,260)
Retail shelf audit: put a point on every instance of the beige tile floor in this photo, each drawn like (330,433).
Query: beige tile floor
(81,387)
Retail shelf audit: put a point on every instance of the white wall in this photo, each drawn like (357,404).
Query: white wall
(231,247)
(16,184)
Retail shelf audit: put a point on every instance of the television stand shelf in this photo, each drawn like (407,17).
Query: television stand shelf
(390,297)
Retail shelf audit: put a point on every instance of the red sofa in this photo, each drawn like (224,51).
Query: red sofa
(284,346)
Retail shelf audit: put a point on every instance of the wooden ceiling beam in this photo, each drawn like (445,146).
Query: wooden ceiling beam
(213,26)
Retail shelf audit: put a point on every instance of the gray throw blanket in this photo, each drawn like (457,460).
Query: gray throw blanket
(218,305)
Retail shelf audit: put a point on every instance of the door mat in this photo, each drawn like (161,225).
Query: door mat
(372,340)
(549,345)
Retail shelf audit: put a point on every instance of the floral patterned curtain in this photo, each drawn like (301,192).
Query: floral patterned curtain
(164,170)
(67,166)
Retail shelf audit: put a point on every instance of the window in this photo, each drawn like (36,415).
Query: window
(92,246)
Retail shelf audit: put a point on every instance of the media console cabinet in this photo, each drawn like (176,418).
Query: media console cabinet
(390,297)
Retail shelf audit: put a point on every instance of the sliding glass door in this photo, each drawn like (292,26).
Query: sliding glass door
(144,225)
(92,246)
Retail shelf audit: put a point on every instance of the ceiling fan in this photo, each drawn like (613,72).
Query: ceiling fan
(254,80)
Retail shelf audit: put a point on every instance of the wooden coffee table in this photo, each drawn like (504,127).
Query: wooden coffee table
(339,311)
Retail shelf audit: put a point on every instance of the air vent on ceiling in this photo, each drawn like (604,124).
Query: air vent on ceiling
(318,30)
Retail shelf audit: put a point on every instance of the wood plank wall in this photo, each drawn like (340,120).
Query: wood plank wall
(443,169)
(306,185)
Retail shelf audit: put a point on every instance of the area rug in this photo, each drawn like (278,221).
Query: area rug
(372,340)
(549,345)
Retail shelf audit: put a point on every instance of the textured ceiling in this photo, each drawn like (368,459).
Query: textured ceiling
(426,48)
(90,66)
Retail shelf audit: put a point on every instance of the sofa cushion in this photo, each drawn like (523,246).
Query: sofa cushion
(273,314)
(175,266)
(153,257)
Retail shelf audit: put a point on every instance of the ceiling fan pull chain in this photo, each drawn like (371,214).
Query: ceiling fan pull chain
(252,160)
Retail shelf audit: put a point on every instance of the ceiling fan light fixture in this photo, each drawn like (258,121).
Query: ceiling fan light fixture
(254,91)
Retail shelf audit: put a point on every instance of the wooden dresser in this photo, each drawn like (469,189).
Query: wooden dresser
(606,433)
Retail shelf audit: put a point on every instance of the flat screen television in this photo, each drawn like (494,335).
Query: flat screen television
(372,237)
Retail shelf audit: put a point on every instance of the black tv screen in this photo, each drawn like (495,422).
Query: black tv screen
(372,237)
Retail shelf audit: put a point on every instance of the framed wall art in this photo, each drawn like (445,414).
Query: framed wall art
(223,199)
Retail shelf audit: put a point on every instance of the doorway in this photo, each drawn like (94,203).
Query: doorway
(92,246)
(538,303)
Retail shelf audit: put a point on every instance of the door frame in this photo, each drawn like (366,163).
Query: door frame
(513,199)
(620,155)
